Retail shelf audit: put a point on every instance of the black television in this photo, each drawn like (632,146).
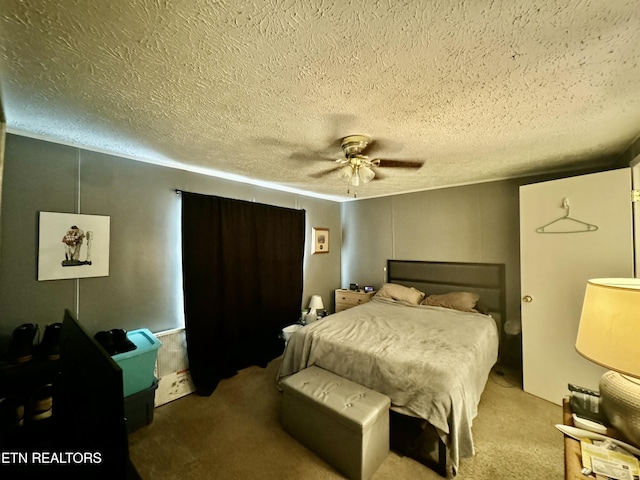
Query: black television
(89,407)
(86,437)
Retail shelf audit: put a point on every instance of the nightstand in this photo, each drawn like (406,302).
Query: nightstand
(572,451)
(346,299)
(572,448)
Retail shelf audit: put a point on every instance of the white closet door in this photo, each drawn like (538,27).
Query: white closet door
(555,268)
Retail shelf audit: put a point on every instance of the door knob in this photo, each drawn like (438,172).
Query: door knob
(527,299)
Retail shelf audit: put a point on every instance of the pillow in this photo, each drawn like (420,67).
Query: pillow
(463,301)
(400,292)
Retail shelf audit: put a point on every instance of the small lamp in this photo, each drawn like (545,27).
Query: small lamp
(314,305)
(608,335)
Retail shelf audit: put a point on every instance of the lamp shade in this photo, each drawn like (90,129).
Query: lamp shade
(316,303)
(610,324)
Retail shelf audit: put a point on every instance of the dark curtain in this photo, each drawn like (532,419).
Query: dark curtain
(242,270)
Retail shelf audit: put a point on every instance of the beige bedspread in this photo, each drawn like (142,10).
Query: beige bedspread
(432,362)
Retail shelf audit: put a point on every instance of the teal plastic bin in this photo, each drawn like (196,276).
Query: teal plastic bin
(138,365)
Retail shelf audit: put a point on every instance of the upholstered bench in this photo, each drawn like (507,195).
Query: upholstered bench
(344,423)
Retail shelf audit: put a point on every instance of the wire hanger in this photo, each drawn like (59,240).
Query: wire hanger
(566,224)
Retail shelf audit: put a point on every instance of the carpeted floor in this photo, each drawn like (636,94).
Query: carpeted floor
(236,434)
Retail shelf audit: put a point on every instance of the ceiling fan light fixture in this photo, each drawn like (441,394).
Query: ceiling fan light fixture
(346,173)
(355,178)
(357,169)
(366,174)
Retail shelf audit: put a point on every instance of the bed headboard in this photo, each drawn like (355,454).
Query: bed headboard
(485,279)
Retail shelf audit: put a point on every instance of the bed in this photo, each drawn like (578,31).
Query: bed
(428,349)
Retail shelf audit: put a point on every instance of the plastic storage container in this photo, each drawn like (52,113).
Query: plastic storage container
(138,365)
(138,408)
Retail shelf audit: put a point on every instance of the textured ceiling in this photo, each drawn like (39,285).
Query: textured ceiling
(264,89)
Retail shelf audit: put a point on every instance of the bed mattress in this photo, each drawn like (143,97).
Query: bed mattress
(432,362)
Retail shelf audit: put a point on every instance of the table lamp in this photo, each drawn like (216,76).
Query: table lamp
(314,305)
(608,335)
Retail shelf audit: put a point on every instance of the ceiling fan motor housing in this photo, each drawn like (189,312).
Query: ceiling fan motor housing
(354,144)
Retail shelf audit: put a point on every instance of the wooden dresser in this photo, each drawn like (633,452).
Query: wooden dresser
(346,299)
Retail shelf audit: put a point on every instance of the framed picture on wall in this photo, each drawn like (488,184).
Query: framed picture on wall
(320,240)
(73,246)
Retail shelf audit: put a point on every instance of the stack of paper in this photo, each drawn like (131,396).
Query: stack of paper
(608,460)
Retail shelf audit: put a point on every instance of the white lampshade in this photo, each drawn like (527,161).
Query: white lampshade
(609,328)
(608,335)
(315,303)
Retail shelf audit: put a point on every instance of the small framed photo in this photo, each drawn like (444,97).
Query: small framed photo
(320,240)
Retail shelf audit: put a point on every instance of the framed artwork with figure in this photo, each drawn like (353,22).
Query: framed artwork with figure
(73,246)
(320,240)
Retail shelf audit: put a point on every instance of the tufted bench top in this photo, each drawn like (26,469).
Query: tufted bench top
(348,403)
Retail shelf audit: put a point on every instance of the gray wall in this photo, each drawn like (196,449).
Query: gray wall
(474,223)
(143,289)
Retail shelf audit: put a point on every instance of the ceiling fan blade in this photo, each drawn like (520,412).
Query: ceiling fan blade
(371,163)
(331,152)
(309,157)
(324,173)
(334,146)
(280,143)
(378,144)
(379,175)
(373,147)
(400,164)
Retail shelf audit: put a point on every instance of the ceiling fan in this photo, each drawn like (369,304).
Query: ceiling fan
(358,169)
